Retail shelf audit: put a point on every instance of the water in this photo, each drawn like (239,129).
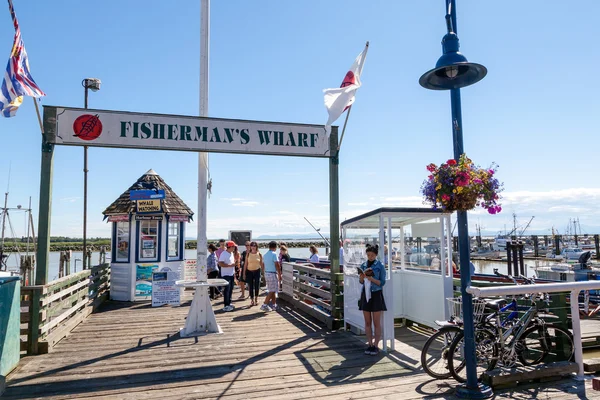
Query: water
(14,261)
(294,252)
(481,266)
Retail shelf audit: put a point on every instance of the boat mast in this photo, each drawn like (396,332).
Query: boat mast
(28,225)
(4,211)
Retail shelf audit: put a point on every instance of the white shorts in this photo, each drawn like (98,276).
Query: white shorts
(272,282)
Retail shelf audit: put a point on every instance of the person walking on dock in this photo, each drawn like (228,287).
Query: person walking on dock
(227,264)
(372,276)
(252,268)
(272,270)
(314,254)
(220,251)
(212,270)
(238,273)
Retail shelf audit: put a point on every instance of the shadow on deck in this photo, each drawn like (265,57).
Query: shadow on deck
(134,351)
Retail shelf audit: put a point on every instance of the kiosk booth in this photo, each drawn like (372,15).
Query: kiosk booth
(148,234)
(415,241)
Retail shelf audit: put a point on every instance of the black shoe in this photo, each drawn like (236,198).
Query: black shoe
(374,351)
(368,350)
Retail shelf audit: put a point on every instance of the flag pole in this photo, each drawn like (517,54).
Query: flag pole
(37,111)
(350,108)
(344,128)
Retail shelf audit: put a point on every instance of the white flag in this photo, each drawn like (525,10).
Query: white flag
(337,100)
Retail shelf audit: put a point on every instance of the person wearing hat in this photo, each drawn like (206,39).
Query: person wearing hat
(227,264)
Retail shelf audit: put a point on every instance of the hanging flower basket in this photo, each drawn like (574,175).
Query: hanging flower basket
(462,186)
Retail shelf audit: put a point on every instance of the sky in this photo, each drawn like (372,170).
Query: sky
(535,114)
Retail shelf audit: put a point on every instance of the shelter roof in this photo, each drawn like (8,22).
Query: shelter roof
(401,216)
(171,204)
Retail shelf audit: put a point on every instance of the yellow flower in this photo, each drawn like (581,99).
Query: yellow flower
(459,189)
(438,187)
(453,190)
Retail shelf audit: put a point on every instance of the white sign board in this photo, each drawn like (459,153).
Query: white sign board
(189,270)
(80,127)
(287,278)
(164,290)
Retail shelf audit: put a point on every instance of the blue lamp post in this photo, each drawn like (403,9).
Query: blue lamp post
(453,72)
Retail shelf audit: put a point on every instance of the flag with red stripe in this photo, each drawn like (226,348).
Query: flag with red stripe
(18,81)
(338,100)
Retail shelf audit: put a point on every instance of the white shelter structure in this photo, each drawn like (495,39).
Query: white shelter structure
(147,235)
(418,282)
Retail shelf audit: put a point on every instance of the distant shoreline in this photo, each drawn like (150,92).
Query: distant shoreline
(11,247)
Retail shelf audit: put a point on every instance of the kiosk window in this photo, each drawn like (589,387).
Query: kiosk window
(173,240)
(148,240)
(122,239)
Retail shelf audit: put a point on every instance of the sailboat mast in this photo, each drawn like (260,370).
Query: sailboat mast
(4,212)
(28,224)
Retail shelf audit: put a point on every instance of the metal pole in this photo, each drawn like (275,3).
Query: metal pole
(4,212)
(472,389)
(202,241)
(85,183)
(334,225)
(463,248)
(389,326)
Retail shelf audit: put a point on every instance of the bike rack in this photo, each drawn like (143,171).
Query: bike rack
(574,287)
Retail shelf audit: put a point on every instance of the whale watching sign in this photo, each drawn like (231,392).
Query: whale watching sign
(88,127)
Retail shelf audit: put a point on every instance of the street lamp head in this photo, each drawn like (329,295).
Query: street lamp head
(91,83)
(452,71)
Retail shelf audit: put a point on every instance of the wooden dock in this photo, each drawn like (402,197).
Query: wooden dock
(133,351)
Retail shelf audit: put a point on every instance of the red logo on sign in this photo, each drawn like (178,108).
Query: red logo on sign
(87,127)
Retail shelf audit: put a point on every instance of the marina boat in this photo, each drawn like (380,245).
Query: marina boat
(565,272)
(499,244)
(571,253)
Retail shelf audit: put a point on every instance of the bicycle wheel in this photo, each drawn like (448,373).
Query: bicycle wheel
(434,356)
(546,343)
(485,354)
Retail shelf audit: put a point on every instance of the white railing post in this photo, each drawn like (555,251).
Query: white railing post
(576,330)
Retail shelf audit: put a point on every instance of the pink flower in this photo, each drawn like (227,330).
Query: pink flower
(431,167)
(451,161)
(462,179)
(445,197)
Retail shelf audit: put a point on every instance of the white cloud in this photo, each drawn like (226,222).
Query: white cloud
(73,199)
(246,204)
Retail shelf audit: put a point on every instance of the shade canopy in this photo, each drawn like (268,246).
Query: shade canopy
(401,216)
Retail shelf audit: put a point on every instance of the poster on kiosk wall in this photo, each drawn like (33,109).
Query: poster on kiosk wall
(164,290)
(143,280)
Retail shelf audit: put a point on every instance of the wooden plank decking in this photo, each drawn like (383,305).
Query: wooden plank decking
(133,351)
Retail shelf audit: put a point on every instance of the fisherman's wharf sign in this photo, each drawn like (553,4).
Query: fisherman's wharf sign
(87,127)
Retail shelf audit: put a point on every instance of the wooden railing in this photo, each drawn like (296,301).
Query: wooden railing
(313,294)
(63,304)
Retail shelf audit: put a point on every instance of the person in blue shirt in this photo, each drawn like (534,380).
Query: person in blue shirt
(372,303)
(212,269)
(272,272)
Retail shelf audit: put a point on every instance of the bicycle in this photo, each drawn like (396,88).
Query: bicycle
(434,355)
(529,339)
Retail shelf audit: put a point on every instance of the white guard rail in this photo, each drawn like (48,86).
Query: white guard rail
(573,287)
